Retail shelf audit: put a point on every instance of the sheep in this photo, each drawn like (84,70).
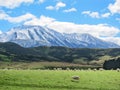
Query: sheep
(54,69)
(118,70)
(6,69)
(81,69)
(68,69)
(75,69)
(101,69)
(59,68)
(112,69)
(75,77)
(89,69)
(94,69)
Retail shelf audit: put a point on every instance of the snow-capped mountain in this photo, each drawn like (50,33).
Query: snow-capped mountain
(33,36)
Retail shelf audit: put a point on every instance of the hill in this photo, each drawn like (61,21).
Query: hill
(13,52)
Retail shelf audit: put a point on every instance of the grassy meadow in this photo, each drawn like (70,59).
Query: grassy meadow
(59,80)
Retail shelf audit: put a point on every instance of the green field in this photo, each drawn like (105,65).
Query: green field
(59,80)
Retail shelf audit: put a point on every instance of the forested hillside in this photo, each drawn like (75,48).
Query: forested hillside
(13,52)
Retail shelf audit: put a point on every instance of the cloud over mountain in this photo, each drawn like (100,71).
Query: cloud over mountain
(69,27)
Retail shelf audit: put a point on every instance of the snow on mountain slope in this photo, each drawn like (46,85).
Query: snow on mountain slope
(89,41)
(33,36)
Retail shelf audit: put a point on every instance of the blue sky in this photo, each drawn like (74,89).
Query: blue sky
(100,18)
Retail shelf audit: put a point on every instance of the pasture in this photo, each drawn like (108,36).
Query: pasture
(59,80)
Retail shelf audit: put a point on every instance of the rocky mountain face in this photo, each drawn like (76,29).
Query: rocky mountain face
(33,36)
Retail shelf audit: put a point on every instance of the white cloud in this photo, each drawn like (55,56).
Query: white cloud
(86,12)
(0,32)
(41,1)
(96,14)
(50,8)
(3,15)
(105,15)
(13,3)
(22,18)
(60,5)
(70,10)
(57,6)
(115,8)
(112,39)
(99,30)
(118,19)
(91,14)
(42,21)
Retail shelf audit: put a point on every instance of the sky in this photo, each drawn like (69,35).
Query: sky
(100,18)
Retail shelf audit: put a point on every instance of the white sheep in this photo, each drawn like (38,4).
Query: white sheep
(101,69)
(59,68)
(54,69)
(94,69)
(68,69)
(89,69)
(118,70)
(75,77)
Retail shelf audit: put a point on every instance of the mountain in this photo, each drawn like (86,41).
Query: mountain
(33,36)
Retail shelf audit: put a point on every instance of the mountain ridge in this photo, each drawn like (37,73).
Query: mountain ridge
(34,36)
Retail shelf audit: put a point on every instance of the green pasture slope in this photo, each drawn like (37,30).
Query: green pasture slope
(59,80)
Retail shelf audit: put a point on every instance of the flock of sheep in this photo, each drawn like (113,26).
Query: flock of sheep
(89,69)
(76,78)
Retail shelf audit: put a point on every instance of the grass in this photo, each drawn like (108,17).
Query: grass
(59,80)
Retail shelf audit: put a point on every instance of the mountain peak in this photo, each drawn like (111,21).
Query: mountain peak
(25,27)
